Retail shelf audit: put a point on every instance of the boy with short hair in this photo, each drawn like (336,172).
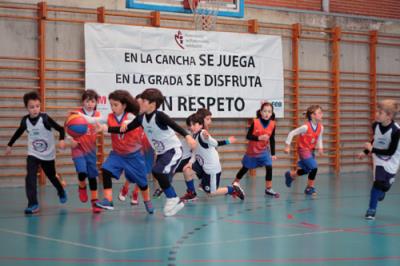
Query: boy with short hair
(41,149)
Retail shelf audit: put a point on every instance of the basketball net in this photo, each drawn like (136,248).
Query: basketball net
(204,14)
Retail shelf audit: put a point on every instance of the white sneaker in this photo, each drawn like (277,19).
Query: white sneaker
(172,206)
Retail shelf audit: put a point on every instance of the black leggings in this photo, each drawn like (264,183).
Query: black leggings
(32,166)
(243,171)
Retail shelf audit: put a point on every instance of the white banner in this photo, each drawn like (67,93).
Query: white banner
(227,73)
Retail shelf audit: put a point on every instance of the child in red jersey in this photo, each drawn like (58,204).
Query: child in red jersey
(310,137)
(126,155)
(261,146)
(149,155)
(83,150)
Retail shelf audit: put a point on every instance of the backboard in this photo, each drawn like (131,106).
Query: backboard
(228,8)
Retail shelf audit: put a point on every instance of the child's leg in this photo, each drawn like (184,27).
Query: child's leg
(311,177)
(93,188)
(107,184)
(240,174)
(32,166)
(50,171)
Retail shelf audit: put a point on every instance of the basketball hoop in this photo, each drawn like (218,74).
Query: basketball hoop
(204,13)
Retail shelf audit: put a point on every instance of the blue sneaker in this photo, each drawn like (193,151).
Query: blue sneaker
(288,179)
(105,204)
(63,197)
(149,206)
(32,209)
(310,191)
(370,215)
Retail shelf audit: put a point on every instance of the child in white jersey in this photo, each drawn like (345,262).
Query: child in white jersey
(385,150)
(41,149)
(205,162)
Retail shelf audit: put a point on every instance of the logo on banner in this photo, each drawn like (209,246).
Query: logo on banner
(179,39)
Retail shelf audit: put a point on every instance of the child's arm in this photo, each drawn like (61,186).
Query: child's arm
(93,119)
(251,136)
(164,119)
(131,126)
(227,141)
(206,137)
(319,142)
(272,144)
(60,129)
(21,129)
(392,146)
(292,134)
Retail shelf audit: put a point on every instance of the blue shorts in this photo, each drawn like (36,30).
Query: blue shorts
(209,182)
(380,174)
(308,164)
(254,162)
(86,164)
(167,162)
(132,164)
(149,160)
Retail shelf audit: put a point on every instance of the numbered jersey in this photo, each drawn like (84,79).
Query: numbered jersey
(206,154)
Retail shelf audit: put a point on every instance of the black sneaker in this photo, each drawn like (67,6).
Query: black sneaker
(157,193)
(238,192)
(370,215)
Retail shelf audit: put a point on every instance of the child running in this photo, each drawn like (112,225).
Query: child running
(148,153)
(310,137)
(83,150)
(41,149)
(385,150)
(205,162)
(159,129)
(126,154)
(261,147)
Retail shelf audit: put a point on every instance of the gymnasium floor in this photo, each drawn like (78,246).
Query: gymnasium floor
(292,230)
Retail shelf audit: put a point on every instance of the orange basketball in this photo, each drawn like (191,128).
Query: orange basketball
(76,125)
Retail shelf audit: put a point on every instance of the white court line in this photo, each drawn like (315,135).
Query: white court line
(170,246)
(56,240)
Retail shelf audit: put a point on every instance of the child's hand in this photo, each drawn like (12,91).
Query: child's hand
(205,134)
(123,128)
(61,144)
(8,150)
(232,139)
(368,146)
(361,155)
(191,142)
(101,128)
(274,157)
(263,137)
(320,151)
(287,148)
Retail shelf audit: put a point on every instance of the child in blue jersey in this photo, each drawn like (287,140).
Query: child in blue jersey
(385,150)
(205,161)
(261,147)
(83,150)
(310,138)
(160,131)
(41,149)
